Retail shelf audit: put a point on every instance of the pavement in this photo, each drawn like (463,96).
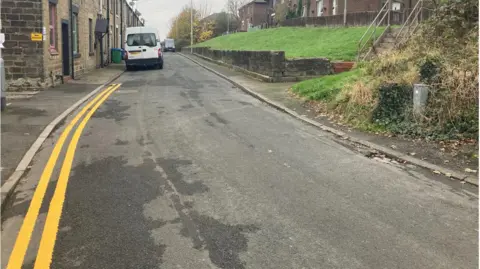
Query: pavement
(28,113)
(452,156)
(180,169)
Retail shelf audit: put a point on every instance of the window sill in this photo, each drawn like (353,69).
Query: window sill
(91,54)
(53,52)
(77,55)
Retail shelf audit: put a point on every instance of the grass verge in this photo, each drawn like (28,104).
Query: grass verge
(297,42)
(327,87)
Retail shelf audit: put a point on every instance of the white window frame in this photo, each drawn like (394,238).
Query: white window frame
(75,45)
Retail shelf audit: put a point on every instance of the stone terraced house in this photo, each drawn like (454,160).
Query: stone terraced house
(47,41)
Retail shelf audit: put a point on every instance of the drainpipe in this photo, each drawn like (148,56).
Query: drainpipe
(108,31)
(2,72)
(72,60)
(121,24)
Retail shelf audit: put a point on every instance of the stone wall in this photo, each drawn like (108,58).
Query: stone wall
(268,63)
(272,64)
(22,57)
(308,67)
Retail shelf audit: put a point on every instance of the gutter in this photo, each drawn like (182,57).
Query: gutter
(72,56)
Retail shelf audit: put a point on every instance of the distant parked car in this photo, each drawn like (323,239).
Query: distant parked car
(169,45)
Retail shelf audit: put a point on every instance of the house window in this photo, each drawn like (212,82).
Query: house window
(90,36)
(52,8)
(75,33)
(319,8)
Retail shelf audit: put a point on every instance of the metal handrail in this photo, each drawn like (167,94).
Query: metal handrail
(417,9)
(375,22)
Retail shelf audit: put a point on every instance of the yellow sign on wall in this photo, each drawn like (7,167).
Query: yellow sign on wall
(36,37)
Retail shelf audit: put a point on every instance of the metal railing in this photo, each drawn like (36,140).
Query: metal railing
(370,36)
(410,25)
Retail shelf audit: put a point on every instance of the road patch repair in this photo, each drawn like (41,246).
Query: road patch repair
(390,153)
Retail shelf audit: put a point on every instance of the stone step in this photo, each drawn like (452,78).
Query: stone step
(396,30)
(380,50)
(389,39)
(387,45)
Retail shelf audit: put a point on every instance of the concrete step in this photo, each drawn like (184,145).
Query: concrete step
(381,51)
(387,45)
(396,30)
(389,39)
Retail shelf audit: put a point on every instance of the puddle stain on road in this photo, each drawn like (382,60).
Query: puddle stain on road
(112,109)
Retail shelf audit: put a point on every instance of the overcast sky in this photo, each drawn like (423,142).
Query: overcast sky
(159,13)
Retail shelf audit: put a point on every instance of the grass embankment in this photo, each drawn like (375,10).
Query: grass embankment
(297,42)
(327,87)
(377,95)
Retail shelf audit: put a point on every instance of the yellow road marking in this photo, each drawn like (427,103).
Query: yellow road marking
(49,235)
(24,235)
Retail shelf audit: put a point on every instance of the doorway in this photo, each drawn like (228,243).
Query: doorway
(65,49)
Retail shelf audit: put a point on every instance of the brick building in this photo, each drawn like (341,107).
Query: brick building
(259,12)
(336,7)
(253,13)
(43,38)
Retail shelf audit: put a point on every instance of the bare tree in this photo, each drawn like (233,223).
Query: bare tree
(233,6)
(204,9)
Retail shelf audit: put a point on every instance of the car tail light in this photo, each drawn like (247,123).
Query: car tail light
(159,53)
(126,55)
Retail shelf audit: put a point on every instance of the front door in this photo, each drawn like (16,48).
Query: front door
(65,50)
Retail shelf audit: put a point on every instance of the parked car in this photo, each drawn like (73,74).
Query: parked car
(143,48)
(169,45)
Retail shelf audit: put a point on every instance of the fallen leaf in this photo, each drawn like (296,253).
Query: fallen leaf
(468,170)
(448,175)
(413,153)
(393,147)
(270,151)
(436,172)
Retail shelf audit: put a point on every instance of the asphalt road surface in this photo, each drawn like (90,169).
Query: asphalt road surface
(179,169)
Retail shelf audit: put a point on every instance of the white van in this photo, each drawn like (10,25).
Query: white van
(143,48)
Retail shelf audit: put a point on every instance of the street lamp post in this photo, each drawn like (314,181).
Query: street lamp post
(191,26)
(228,17)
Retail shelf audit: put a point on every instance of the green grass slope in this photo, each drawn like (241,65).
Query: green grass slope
(297,42)
(327,87)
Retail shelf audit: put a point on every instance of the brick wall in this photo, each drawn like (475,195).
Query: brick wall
(23,57)
(353,19)
(259,13)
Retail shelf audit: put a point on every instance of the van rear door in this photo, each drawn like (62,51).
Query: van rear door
(142,45)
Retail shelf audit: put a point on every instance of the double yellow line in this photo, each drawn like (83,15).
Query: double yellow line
(49,235)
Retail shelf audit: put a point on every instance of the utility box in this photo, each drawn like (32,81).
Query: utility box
(420,97)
